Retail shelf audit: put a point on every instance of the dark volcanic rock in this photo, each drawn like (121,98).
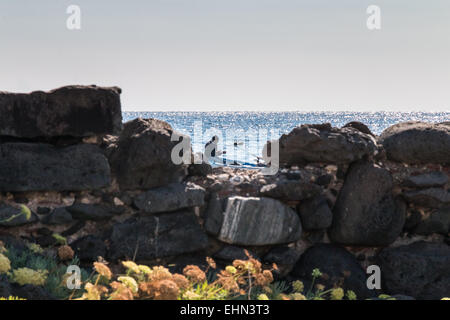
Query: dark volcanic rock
(253,221)
(142,157)
(200,169)
(426,180)
(42,167)
(58,216)
(72,111)
(30,292)
(174,197)
(436,222)
(290,190)
(417,142)
(359,126)
(420,270)
(431,198)
(77,111)
(12,216)
(366,212)
(339,265)
(325,144)
(153,237)
(315,213)
(231,253)
(89,248)
(96,212)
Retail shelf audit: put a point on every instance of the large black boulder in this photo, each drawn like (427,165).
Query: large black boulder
(338,266)
(366,212)
(151,237)
(43,167)
(142,156)
(420,269)
(417,142)
(76,111)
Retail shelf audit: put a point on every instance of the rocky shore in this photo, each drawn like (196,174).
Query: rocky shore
(342,200)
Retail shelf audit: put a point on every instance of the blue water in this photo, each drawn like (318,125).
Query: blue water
(252,129)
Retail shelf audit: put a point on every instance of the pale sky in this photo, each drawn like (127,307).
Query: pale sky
(235,55)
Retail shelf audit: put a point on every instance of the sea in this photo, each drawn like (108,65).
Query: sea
(242,135)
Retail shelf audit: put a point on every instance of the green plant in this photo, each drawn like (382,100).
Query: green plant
(24,211)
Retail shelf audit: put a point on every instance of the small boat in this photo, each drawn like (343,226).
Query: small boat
(222,161)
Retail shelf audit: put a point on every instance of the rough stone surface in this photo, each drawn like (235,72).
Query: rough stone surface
(58,216)
(315,213)
(141,159)
(290,190)
(231,253)
(174,197)
(200,169)
(365,212)
(338,264)
(7,212)
(77,111)
(426,180)
(325,144)
(42,167)
(82,211)
(254,221)
(420,270)
(89,248)
(152,237)
(358,126)
(437,221)
(431,198)
(417,142)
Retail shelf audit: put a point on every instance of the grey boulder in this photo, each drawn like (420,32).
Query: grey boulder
(315,213)
(290,190)
(426,180)
(431,198)
(252,221)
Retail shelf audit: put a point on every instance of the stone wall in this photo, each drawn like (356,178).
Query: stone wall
(344,199)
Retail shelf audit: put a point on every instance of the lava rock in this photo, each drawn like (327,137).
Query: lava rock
(253,221)
(77,111)
(30,292)
(95,212)
(151,237)
(42,167)
(417,142)
(58,216)
(231,253)
(359,126)
(366,212)
(437,221)
(420,269)
(290,190)
(12,216)
(322,143)
(89,248)
(430,198)
(339,267)
(315,213)
(426,180)
(173,197)
(200,169)
(142,157)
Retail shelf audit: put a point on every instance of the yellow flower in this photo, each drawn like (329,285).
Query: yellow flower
(144,269)
(191,295)
(445,299)
(298,296)
(320,287)
(263,296)
(103,270)
(34,247)
(25,276)
(231,269)
(337,294)
(351,295)
(130,283)
(298,286)
(93,292)
(130,265)
(5,264)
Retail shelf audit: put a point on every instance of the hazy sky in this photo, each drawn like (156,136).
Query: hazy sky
(234,54)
